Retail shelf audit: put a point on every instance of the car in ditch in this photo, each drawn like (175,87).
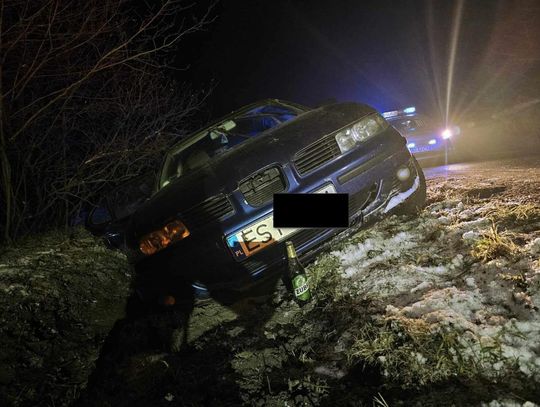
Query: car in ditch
(209,219)
(426,139)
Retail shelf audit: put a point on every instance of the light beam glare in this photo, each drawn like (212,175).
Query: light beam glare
(456,24)
(434,66)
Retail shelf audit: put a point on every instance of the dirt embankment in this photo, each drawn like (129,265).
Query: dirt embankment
(59,298)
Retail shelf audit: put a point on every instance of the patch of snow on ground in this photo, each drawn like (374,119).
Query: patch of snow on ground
(534,246)
(379,264)
(374,250)
(509,403)
(467,312)
(483,311)
(447,305)
(422,286)
(470,235)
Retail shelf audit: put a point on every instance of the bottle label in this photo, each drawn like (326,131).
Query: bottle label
(301,288)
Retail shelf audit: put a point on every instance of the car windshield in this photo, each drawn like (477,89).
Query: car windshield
(407,124)
(202,147)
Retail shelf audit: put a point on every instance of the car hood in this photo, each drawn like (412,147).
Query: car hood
(223,173)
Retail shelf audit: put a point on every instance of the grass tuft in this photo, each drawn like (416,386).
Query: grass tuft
(409,353)
(379,401)
(494,244)
(524,217)
(324,277)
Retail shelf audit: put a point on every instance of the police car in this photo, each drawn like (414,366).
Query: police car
(425,138)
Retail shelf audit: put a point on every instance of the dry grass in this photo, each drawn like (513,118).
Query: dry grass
(494,244)
(518,280)
(522,212)
(410,353)
(324,277)
(523,215)
(442,192)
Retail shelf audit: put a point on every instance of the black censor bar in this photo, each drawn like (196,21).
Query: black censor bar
(311,210)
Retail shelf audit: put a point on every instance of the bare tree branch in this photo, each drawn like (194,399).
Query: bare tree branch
(85,101)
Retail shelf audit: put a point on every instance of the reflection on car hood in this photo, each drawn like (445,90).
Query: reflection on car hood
(222,174)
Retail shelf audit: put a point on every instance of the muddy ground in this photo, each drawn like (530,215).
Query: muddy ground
(437,309)
(60,296)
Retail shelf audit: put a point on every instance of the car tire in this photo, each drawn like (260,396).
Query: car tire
(417,200)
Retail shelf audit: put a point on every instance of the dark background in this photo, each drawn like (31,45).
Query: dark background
(389,54)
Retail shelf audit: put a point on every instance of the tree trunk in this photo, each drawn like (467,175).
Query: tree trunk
(6,186)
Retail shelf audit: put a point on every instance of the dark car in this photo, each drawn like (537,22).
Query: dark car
(425,138)
(209,219)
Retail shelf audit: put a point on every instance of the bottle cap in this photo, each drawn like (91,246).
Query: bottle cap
(291,252)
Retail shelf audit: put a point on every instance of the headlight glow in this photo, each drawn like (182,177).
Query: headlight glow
(446,134)
(158,240)
(432,141)
(360,132)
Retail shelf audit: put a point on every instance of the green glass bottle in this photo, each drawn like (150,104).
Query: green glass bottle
(297,275)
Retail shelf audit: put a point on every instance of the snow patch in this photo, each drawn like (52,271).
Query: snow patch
(534,246)
(470,282)
(470,235)
(422,286)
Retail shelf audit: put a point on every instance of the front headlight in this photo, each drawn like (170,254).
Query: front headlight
(360,132)
(160,239)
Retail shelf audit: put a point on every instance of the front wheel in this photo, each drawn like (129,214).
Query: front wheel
(417,200)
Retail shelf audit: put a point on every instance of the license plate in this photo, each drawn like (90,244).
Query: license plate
(262,233)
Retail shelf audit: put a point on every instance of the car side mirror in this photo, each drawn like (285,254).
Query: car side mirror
(99,218)
(119,204)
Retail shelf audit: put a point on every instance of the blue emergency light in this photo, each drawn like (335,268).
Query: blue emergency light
(409,110)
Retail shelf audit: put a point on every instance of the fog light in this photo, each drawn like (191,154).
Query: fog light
(403,174)
(432,141)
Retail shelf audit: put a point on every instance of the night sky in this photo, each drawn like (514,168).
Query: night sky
(389,54)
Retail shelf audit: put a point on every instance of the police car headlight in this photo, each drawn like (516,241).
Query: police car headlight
(446,134)
(360,131)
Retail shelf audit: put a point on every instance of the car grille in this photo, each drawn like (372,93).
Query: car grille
(260,188)
(210,210)
(268,256)
(316,154)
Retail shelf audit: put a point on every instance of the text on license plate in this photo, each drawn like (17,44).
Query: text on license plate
(421,149)
(262,233)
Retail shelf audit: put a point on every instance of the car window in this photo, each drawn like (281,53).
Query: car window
(408,124)
(201,148)
(254,125)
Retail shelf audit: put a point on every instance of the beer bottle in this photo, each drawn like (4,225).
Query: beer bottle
(297,275)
